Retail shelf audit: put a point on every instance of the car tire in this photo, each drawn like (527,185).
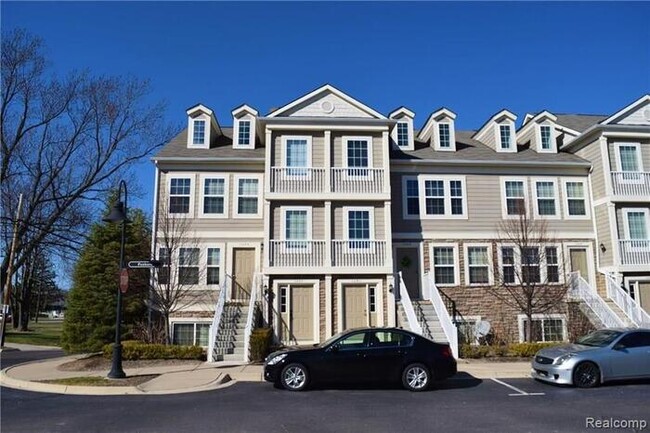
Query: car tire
(294,377)
(586,375)
(416,377)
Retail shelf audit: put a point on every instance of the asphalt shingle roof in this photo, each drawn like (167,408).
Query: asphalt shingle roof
(222,148)
(579,122)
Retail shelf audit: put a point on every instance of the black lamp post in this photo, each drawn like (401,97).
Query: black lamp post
(119,214)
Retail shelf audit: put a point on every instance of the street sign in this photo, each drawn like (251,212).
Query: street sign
(124,280)
(141,264)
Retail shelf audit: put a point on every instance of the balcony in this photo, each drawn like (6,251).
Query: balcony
(346,256)
(634,252)
(631,184)
(338,183)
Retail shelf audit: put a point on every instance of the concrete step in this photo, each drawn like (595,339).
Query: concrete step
(620,313)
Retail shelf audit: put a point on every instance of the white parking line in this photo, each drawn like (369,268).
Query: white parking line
(514,388)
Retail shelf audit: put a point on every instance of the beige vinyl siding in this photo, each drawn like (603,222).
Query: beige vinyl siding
(317,147)
(338,148)
(339,222)
(637,117)
(230,223)
(592,153)
(490,138)
(645,152)
(484,207)
(620,217)
(313,108)
(604,235)
(317,219)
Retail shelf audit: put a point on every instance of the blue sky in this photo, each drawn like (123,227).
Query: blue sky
(474,58)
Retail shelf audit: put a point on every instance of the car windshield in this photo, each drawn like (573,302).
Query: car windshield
(332,339)
(599,338)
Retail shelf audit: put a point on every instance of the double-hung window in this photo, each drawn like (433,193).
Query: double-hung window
(359,228)
(575,199)
(358,156)
(552,265)
(297,228)
(515,196)
(505,136)
(544,328)
(444,265)
(530,263)
(180,190)
(508,269)
(443,198)
(213,265)
(411,197)
(629,162)
(636,231)
(214,196)
(402,134)
(444,135)
(191,334)
(546,137)
(546,198)
(198,134)
(297,157)
(478,264)
(188,266)
(244,135)
(165,263)
(247,197)
(434,197)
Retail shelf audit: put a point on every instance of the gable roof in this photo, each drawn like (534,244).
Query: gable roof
(327,88)
(579,122)
(645,99)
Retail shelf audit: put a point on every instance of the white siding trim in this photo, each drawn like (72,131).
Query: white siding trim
(617,154)
(260,193)
(556,198)
(504,207)
(346,220)
(453,245)
(226,196)
(490,264)
(181,175)
(587,197)
(283,222)
(307,138)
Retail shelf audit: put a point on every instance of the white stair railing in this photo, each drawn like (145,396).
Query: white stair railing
(251,314)
(581,290)
(216,320)
(447,324)
(405,299)
(624,301)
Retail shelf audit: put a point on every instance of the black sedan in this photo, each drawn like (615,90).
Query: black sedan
(362,356)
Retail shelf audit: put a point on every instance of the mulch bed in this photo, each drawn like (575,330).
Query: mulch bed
(102,381)
(98,362)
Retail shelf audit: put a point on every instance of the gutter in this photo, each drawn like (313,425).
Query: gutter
(234,159)
(490,163)
(604,128)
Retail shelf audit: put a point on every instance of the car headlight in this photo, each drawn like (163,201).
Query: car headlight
(564,358)
(276,359)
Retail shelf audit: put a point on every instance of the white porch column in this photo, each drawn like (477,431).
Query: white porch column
(328,306)
(267,161)
(390,310)
(385,152)
(328,234)
(327,161)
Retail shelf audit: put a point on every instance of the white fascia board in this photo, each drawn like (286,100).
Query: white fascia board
(490,163)
(443,112)
(500,115)
(244,109)
(538,118)
(199,107)
(644,99)
(402,110)
(334,90)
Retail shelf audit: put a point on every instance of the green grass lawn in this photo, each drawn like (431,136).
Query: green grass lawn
(47,332)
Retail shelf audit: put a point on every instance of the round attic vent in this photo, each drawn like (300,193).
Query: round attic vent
(327,106)
(646,113)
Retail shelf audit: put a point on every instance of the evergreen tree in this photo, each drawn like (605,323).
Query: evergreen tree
(90,316)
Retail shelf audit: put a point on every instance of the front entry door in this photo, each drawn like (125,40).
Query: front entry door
(578,258)
(355,306)
(408,263)
(642,293)
(242,275)
(302,313)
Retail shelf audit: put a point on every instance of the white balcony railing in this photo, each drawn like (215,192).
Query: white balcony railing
(304,180)
(579,289)
(631,183)
(630,307)
(634,252)
(405,299)
(252,305)
(294,254)
(358,180)
(358,253)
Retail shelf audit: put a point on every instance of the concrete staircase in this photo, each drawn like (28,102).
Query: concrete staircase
(621,315)
(427,318)
(229,343)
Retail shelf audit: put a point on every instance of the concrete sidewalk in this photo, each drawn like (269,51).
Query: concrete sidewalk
(194,377)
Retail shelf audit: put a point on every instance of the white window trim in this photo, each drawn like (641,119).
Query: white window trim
(447,196)
(260,190)
(222,263)
(538,132)
(199,260)
(543,265)
(556,198)
(522,317)
(346,226)
(452,136)
(456,263)
(226,186)
(284,155)
(190,132)
(405,214)
(199,321)
(283,228)
(346,139)
(513,138)
(504,205)
(585,186)
(490,264)
(617,155)
(626,221)
(192,178)
(409,134)
(235,133)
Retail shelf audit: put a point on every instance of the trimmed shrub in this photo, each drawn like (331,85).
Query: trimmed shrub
(135,350)
(515,350)
(527,350)
(260,343)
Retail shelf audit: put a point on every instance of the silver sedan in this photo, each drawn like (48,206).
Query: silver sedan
(604,355)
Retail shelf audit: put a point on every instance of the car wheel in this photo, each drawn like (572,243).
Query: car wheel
(294,377)
(586,375)
(416,377)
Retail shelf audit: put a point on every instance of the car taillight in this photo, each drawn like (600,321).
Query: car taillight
(446,352)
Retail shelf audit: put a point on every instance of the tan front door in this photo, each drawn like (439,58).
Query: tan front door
(242,274)
(408,263)
(579,262)
(302,313)
(643,294)
(355,306)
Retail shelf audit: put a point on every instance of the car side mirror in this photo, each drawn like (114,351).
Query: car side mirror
(619,346)
(334,348)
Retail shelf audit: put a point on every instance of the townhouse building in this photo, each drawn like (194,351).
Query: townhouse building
(325,215)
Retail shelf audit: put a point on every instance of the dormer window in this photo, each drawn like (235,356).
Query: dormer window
(402,134)
(439,130)
(244,119)
(198,137)
(545,132)
(505,137)
(444,134)
(244,136)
